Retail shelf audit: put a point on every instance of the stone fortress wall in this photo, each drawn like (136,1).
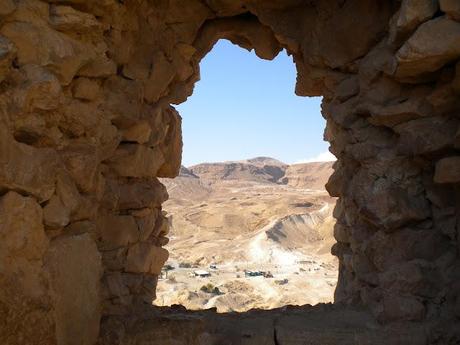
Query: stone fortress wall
(87,127)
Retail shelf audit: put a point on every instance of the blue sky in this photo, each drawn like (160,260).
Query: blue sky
(245,107)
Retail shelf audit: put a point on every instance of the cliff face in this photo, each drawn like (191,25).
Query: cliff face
(87,126)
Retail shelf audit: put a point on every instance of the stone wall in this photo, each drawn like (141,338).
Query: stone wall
(87,127)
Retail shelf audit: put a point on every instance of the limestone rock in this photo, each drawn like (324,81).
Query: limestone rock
(36,166)
(139,63)
(134,194)
(6,7)
(426,135)
(7,52)
(24,297)
(456,81)
(146,258)
(118,231)
(162,226)
(401,308)
(172,146)
(119,93)
(85,119)
(140,133)
(66,18)
(55,214)
(21,229)
(451,8)
(448,170)
(133,160)
(385,203)
(161,75)
(347,89)
(116,285)
(344,44)
(398,112)
(245,32)
(414,277)
(43,46)
(457,139)
(68,194)
(99,67)
(41,91)
(86,129)
(434,44)
(72,262)
(406,245)
(411,14)
(81,161)
(226,8)
(341,233)
(31,129)
(86,89)
(145,219)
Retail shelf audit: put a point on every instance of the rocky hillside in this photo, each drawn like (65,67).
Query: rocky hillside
(308,175)
(268,216)
(265,170)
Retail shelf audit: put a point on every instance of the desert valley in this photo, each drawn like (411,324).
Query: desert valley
(249,234)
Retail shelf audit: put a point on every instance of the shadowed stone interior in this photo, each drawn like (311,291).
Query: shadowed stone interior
(87,127)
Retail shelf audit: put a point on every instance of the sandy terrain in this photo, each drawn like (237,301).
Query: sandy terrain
(247,217)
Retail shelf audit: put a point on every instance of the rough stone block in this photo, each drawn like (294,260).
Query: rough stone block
(24,300)
(66,18)
(21,228)
(397,307)
(146,258)
(139,132)
(74,265)
(86,89)
(7,7)
(41,91)
(448,170)
(26,168)
(131,160)
(451,8)
(81,161)
(55,214)
(7,53)
(160,77)
(410,15)
(172,146)
(434,44)
(134,194)
(118,231)
(40,45)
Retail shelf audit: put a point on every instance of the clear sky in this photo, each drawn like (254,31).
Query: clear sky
(245,107)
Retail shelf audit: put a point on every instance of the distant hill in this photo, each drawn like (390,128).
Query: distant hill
(263,170)
(184,172)
(262,161)
(308,175)
(215,172)
(258,214)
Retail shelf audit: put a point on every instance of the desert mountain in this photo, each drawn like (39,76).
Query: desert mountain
(257,214)
(259,169)
(264,169)
(308,175)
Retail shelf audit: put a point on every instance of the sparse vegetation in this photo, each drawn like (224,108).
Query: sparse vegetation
(211,289)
